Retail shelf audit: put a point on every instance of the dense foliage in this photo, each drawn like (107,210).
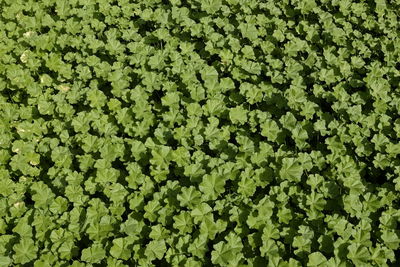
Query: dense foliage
(199,133)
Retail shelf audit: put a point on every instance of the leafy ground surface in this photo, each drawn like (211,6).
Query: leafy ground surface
(199,133)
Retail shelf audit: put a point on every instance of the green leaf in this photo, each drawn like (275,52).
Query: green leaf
(391,239)
(247,186)
(238,115)
(212,186)
(211,227)
(5,261)
(120,249)
(358,254)
(200,211)
(67,250)
(316,201)
(270,231)
(183,222)
(291,170)
(156,249)
(316,259)
(249,31)
(93,254)
(211,6)
(189,197)
(25,251)
(199,246)
(23,229)
(228,253)
(161,157)
(209,75)
(270,129)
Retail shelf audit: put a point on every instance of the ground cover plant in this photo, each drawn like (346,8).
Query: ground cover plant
(199,133)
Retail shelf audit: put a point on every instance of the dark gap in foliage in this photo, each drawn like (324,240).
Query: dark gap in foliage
(153,41)
(248,250)
(260,193)
(44,30)
(207,150)
(294,203)
(204,54)
(375,232)
(199,14)
(288,139)
(66,264)
(171,141)
(104,57)
(185,92)
(119,165)
(397,258)
(82,243)
(127,155)
(235,99)
(94,132)
(325,106)
(145,27)
(289,253)
(260,261)
(326,245)
(129,262)
(291,12)
(375,176)
(352,219)
(57,190)
(127,211)
(230,187)
(106,87)
(28,199)
(100,195)
(145,167)
(51,10)
(213,58)
(162,263)
(44,69)
(186,37)
(75,162)
(166,3)
(232,140)
(224,147)
(98,15)
(207,256)
(156,95)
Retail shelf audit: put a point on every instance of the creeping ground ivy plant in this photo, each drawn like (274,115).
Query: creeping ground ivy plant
(199,133)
